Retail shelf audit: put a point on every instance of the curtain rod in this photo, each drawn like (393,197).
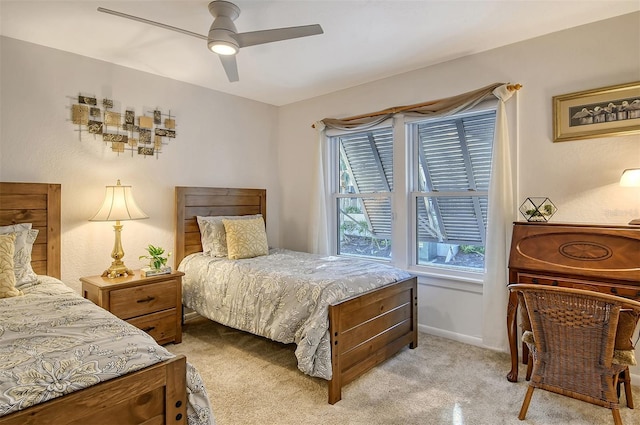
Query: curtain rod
(397,109)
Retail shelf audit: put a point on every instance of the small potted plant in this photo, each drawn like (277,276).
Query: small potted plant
(157,261)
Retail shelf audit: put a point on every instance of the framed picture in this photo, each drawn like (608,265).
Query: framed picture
(608,111)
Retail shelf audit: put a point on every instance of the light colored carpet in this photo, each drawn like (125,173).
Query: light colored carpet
(253,380)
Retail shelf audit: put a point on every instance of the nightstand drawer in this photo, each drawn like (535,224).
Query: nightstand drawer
(139,300)
(161,326)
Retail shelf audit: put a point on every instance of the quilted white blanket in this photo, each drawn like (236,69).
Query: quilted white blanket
(284,296)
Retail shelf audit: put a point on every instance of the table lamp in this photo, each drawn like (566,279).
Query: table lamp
(118,205)
(631,178)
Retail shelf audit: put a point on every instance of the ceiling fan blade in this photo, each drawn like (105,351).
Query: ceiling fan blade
(230,67)
(154,23)
(278,34)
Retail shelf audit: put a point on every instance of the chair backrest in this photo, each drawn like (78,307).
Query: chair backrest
(562,317)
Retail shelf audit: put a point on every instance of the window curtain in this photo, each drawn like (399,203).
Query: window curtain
(500,217)
(318,237)
(440,107)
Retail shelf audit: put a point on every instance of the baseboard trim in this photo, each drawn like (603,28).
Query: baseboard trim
(452,335)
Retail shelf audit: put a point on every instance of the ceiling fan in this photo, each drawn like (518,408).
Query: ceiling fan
(223,37)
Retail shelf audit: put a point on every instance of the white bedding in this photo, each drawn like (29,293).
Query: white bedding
(284,296)
(54,342)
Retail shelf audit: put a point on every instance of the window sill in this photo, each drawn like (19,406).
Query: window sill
(449,279)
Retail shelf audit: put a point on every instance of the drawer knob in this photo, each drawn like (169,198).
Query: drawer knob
(554,283)
(146,300)
(534,280)
(614,291)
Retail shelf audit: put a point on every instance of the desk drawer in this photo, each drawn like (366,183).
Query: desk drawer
(626,291)
(161,326)
(140,300)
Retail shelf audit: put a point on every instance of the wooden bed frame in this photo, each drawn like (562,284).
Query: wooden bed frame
(365,330)
(154,395)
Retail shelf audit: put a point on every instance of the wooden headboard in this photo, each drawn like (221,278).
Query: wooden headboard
(39,204)
(210,201)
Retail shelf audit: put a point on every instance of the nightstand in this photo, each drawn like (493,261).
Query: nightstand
(153,304)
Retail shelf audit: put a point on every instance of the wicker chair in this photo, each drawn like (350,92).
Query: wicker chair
(573,345)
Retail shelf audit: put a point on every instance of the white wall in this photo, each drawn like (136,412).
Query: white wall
(580,177)
(222,141)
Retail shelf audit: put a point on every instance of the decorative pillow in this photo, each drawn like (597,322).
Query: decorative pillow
(246,238)
(7,277)
(213,235)
(627,322)
(22,257)
(25,237)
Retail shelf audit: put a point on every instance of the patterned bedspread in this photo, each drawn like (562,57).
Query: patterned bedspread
(284,296)
(54,342)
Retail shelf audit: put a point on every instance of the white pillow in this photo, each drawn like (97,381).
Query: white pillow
(25,237)
(5,230)
(213,235)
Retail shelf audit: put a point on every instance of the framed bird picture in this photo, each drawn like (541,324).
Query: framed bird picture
(603,112)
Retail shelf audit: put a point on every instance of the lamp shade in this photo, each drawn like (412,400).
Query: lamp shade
(119,205)
(630,177)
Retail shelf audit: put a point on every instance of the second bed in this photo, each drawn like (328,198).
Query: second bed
(345,315)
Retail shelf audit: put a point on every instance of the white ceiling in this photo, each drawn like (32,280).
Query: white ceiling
(363,40)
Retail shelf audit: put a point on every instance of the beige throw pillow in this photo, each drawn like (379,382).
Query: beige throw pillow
(7,276)
(246,238)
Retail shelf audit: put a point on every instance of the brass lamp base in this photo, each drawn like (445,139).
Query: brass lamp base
(117,268)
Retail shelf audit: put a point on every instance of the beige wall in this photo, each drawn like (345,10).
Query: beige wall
(580,177)
(222,140)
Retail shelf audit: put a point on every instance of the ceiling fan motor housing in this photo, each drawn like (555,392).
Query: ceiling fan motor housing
(223,29)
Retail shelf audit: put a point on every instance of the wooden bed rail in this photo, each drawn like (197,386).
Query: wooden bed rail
(368,329)
(153,395)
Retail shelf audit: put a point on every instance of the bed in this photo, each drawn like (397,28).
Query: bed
(363,329)
(46,376)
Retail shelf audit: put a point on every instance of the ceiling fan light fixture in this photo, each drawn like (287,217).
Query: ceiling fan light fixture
(223,48)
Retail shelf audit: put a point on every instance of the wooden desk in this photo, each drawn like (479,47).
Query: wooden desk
(602,258)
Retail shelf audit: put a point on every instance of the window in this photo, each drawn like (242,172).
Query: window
(443,170)
(363,198)
(452,170)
